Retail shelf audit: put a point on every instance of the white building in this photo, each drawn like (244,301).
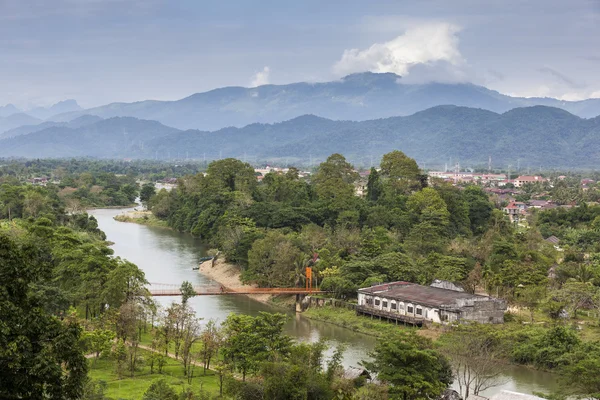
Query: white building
(415,304)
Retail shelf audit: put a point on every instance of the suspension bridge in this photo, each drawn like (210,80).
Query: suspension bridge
(165,289)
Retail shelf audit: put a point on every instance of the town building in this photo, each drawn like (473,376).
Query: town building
(515,211)
(468,177)
(416,304)
(525,179)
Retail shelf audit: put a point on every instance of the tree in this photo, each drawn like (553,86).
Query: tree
(271,261)
(577,295)
(480,209)
(374,186)
(211,342)
(249,341)
(146,193)
(187,291)
(231,175)
(98,341)
(402,174)
(160,390)
(530,297)
(410,366)
(474,360)
(40,355)
(334,183)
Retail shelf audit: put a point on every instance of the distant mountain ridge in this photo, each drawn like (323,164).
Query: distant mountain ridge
(12,117)
(534,136)
(61,107)
(356,97)
(26,129)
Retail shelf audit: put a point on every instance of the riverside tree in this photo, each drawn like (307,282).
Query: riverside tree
(410,366)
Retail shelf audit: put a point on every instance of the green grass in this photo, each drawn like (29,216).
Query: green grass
(348,319)
(133,388)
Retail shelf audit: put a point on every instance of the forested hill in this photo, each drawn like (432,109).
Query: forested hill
(357,97)
(536,136)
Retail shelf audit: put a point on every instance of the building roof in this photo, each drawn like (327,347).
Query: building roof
(354,372)
(509,395)
(552,239)
(425,295)
(527,178)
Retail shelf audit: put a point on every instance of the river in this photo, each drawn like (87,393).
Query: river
(166,256)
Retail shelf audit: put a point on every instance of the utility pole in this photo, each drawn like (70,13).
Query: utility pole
(456,171)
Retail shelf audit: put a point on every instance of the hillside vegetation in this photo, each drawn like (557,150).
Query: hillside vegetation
(537,136)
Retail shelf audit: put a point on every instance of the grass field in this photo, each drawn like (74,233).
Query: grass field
(133,388)
(348,319)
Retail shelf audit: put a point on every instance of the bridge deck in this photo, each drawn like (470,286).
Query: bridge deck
(173,290)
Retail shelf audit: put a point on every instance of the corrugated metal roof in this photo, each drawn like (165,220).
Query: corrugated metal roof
(425,295)
(508,395)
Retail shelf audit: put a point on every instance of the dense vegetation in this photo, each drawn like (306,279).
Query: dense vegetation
(56,270)
(63,294)
(401,229)
(535,136)
(404,229)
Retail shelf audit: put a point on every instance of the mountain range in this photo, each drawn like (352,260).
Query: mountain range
(534,136)
(356,97)
(12,117)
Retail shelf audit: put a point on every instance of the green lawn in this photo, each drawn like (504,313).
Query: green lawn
(132,388)
(348,319)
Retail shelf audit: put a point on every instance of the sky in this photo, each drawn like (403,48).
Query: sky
(102,51)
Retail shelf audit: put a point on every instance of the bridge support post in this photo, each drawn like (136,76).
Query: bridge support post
(302,302)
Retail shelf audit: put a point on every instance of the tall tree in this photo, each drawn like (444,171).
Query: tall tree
(401,173)
(374,185)
(40,355)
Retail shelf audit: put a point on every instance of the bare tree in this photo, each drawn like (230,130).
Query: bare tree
(211,338)
(191,335)
(474,362)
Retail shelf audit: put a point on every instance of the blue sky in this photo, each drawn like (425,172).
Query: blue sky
(100,51)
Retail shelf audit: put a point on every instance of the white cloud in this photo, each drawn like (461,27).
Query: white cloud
(426,44)
(261,77)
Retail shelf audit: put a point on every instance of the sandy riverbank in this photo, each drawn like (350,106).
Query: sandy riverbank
(228,275)
(141,217)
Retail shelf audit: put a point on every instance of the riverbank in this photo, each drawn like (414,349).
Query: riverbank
(111,207)
(228,275)
(142,218)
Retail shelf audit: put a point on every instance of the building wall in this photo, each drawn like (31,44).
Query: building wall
(484,310)
(401,307)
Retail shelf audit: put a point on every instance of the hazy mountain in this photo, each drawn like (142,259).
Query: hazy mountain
(61,107)
(114,138)
(7,110)
(356,97)
(535,136)
(26,129)
(15,120)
